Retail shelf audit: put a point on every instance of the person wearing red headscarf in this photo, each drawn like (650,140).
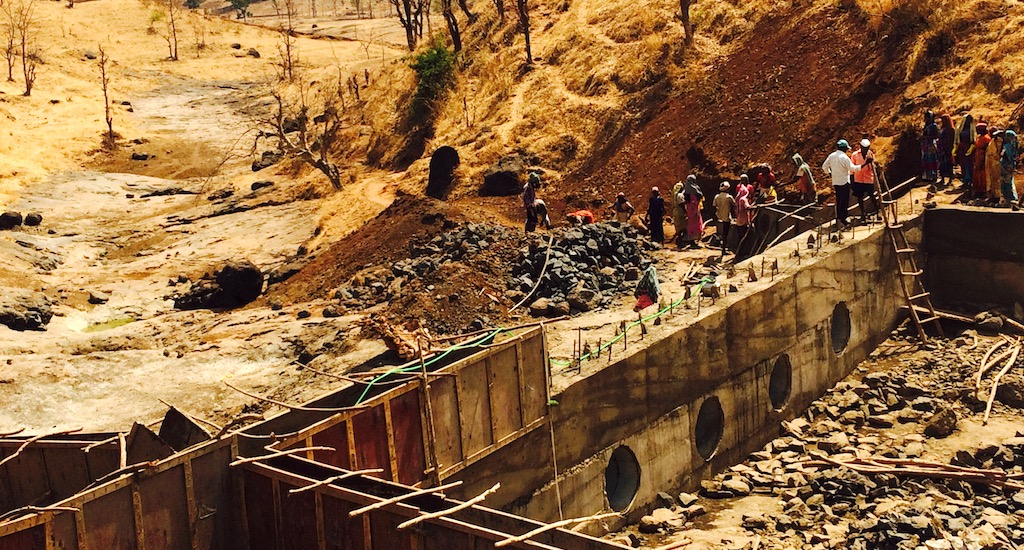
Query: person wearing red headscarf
(979,177)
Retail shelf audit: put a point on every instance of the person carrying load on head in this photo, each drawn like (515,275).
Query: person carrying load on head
(804,180)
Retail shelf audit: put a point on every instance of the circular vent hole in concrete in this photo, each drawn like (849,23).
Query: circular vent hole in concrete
(781,382)
(621,478)
(710,427)
(840,327)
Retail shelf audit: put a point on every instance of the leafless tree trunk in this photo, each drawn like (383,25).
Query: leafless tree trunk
(421,8)
(24,22)
(684,9)
(199,33)
(314,138)
(524,25)
(172,29)
(453,24)
(10,33)
(465,10)
(500,6)
(109,141)
(406,17)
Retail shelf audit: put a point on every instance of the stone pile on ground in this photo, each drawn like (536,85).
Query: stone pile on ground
(831,496)
(462,244)
(587,267)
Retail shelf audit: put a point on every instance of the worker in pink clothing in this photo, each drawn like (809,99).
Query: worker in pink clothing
(864,179)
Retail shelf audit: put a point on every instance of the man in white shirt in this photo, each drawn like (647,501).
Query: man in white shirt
(839,165)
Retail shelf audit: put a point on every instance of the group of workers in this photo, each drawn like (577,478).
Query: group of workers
(987,157)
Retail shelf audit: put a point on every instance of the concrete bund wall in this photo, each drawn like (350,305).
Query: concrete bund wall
(975,255)
(650,401)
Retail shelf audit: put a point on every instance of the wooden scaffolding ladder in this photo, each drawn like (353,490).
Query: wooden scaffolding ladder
(919,302)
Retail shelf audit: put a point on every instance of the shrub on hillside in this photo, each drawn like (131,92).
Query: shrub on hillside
(435,75)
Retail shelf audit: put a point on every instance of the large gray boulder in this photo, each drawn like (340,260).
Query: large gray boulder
(24,310)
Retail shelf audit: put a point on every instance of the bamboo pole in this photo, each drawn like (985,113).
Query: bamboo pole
(278,454)
(400,498)
(122,446)
(995,384)
(555,525)
(33,439)
(334,479)
(987,365)
(18,512)
(676,544)
(9,434)
(441,513)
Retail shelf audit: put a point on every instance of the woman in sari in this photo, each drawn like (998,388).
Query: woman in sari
(930,148)
(678,213)
(945,144)
(1007,165)
(980,185)
(694,198)
(963,152)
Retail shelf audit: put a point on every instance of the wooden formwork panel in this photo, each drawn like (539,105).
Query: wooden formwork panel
(533,378)
(503,381)
(164,510)
(474,408)
(298,519)
(28,539)
(63,532)
(372,443)
(342,532)
(336,437)
(407,434)
(103,460)
(212,508)
(436,537)
(444,404)
(260,511)
(109,521)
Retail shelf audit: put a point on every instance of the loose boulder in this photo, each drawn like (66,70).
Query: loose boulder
(23,310)
(33,219)
(10,220)
(266,160)
(234,285)
(942,423)
(501,179)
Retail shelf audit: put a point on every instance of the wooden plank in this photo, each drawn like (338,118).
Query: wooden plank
(108,521)
(474,408)
(165,510)
(407,426)
(215,515)
(137,521)
(298,519)
(350,437)
(340,531)
(437,537)
(371,438)
(444,402)
(102,460)
(63,532)
(336,437)
(321,534)
(6,494)
(190,503)
(534,379)
(506,412)
(259,510)
(390,430)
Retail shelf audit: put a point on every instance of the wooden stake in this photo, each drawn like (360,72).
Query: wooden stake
(995,384)
(280,454)
(400,498)
(530,534)
(123,446)
(441,513)
(333,479)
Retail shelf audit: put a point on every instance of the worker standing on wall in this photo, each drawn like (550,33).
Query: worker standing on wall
(839,166)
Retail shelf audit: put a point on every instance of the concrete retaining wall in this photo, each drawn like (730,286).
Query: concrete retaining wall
(650,401)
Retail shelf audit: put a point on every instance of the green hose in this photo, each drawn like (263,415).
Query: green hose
(622,335)
(433,360)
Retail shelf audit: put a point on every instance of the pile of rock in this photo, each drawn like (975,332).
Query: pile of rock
(587,266)
(461,244)
(11,219)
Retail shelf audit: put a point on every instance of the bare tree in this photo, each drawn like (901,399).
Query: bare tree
(684,16)
(524,26)
(310,139)
(10,33)
(453,24)
(109,140)
(407,18)
(24,22)
(287,47)
(421,8)
(500,6)
(198,32)
(172,29)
